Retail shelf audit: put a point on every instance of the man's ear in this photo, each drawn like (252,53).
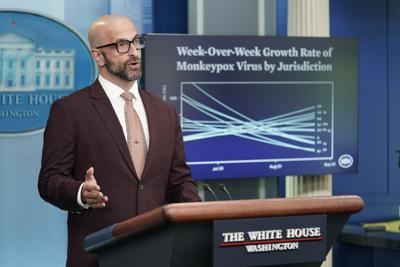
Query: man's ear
(98,57)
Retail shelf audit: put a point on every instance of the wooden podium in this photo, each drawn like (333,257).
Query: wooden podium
(184,234)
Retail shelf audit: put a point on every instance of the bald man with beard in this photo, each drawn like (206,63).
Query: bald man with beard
(87,168)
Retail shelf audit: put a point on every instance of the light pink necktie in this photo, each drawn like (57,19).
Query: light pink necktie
(136,140)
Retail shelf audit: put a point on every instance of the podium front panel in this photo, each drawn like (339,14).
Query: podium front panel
(270,241)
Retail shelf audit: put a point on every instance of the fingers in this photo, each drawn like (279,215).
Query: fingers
(90,182)
(91,193)
(87,186)
(90,175)
(94,198)
(98,202)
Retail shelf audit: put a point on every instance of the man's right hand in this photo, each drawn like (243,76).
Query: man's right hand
(91,194)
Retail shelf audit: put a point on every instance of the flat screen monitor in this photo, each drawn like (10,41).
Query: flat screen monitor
(259,106)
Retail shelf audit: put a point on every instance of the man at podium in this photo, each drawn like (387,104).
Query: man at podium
(112,151)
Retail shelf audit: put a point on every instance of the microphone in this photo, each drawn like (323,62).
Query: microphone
(208,188)
(225,190)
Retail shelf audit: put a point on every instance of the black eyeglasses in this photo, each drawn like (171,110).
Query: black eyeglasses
(123,46)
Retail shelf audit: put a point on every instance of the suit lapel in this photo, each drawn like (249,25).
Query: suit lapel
(105,110)
(153,128)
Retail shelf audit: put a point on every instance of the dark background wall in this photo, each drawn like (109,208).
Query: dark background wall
(376,24)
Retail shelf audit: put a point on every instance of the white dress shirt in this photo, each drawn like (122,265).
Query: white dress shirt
(113,93)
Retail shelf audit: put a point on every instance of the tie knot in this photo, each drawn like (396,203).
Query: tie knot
(127,96)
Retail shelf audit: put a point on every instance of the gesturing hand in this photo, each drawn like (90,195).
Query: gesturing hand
(91,193)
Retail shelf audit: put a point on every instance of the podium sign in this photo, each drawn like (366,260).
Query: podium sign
(254,232)
(270,241)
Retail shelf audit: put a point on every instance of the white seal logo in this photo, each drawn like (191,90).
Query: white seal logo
(38,64)
(345,161)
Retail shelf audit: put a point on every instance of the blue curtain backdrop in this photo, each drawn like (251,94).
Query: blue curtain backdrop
(170,16)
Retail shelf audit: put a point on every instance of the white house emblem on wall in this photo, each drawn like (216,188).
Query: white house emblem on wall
(38,64)
(27,67)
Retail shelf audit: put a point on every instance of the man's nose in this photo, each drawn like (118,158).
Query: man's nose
(133,51)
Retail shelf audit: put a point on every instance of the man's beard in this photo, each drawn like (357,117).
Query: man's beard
(121,70)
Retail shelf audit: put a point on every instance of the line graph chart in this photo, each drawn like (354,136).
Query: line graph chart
(251,116)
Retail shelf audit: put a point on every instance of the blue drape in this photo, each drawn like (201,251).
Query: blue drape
(170,16)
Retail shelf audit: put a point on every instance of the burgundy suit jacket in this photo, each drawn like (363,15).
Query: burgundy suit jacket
(83,131)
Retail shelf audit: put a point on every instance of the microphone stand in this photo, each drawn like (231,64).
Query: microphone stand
(225,190)
(208,188)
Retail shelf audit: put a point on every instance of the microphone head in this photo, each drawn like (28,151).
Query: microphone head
(208,188)
(223,188)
